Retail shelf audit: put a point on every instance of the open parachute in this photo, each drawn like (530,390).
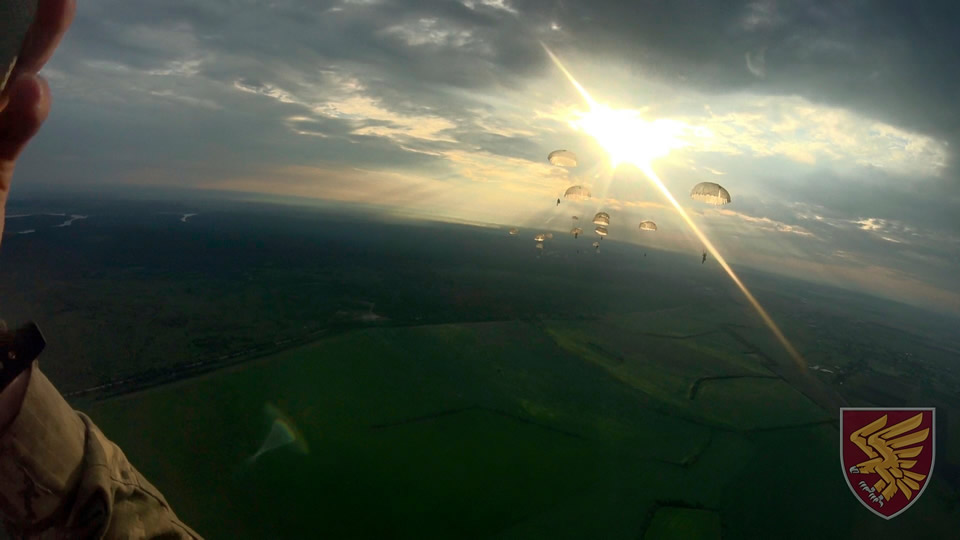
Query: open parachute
(602,218)
(601,230)
(540,237)
(710,192)
(514,231)
(648,226)
(576,193)
(562,158)
(576,232)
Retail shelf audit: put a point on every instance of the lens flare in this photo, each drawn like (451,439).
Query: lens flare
(630,139)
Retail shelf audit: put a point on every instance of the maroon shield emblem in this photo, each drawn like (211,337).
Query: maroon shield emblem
(887,456)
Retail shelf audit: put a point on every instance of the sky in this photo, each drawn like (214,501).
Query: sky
(832,124)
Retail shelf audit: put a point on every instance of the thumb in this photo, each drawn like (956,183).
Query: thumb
(26,110)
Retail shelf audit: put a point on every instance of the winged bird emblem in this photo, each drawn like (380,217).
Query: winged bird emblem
(899,458)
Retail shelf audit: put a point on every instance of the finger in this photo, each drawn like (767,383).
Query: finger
(51,23)
(28,108)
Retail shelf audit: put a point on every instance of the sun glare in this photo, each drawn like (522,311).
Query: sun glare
(629,139)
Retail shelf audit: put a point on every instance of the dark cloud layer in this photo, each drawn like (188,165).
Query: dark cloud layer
(893,60)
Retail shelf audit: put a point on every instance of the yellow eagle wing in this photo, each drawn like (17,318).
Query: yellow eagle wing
(894,445)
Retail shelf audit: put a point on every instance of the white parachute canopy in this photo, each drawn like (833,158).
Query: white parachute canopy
(577,193)
(562,158)
(648,226)
(602,218)
(710,192)
(576,231)
(601,230)
(514,231)
(540,245)
(540,237)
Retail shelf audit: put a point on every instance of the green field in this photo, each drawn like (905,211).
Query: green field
(502,429)
(450,383)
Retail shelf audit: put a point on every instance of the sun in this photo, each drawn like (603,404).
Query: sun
(627,137)
(623,133)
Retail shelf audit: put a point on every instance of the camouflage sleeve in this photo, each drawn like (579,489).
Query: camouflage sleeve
(60,477)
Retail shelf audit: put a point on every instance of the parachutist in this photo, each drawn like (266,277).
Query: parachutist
(558,201)
(704,258)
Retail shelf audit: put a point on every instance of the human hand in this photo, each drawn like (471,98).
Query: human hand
(25,102)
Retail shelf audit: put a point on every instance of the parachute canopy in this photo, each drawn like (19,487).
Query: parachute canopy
(601,230)
(540,237)
(648,226)
(539,245)
(602,218)
(710,192)
(596,245)
(576,230)
(562,158)
(577,193)
(575,218)
(514,231)
(548,236)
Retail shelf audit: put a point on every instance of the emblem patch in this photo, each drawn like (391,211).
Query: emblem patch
(887,456)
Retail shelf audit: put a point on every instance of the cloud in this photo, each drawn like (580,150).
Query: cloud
(760,15)
(763,223)
(871,224)
(812,134)
(495,4)
(756,63)
(836,144)
(189,100)
(894,67)
(638,204)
